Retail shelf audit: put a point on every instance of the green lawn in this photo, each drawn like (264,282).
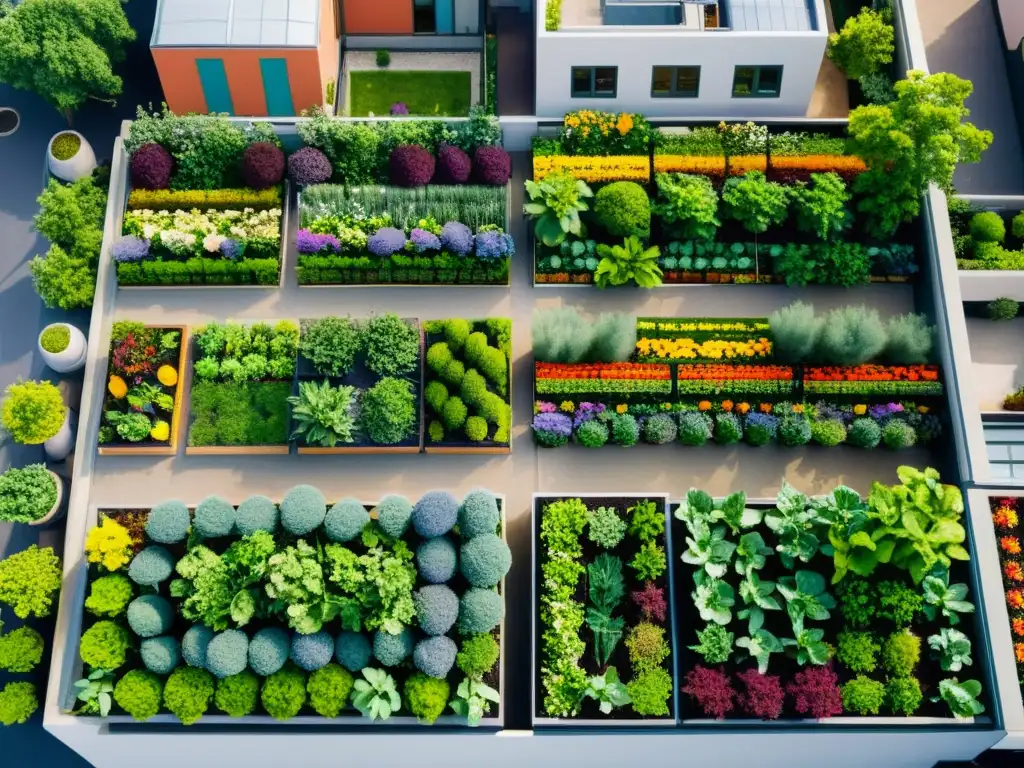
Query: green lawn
(424,92)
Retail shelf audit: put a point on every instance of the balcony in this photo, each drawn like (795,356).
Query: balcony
(689,16)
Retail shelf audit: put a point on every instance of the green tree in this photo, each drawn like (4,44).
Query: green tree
(755,202)
(64,50)
(687,205)
(821,207)
(915,141)
(863,45)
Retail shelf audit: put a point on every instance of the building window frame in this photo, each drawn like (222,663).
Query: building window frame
(755,91)
(592,92)
(674,91)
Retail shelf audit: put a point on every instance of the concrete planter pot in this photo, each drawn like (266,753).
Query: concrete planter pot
(57,512)
(79,165)
(72,357)
(60,445)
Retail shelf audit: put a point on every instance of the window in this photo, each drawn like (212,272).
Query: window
(594,82)
(675,82)
(757,82)
(424,19)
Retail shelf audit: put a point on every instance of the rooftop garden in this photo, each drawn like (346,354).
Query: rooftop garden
(1006,520)
(986,240)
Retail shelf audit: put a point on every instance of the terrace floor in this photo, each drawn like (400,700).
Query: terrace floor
(831,95)
(997,359)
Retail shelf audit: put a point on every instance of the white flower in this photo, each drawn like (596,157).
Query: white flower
(148,231)
(212,243)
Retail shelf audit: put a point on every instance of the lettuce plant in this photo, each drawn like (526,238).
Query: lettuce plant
(761,645)
(473,700)
(953,648)
(608,691)
(714,598)
(376,696)
(806,598)
(757,598)
(943,598)
(962,698)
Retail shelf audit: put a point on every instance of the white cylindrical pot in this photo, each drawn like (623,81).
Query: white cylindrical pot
(57,512)
(76,167)
(59,446)
(72,357)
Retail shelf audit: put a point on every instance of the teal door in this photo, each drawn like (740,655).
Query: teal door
(215,85)
(444,17)
(277,88)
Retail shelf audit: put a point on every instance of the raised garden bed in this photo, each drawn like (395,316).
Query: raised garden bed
(141,414)
(601,602)
(238,631)
(242,380)
(1006,519)
(372,371)
(781,606)
(468,385)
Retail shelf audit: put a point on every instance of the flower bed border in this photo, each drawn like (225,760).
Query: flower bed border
(542,723)
(171,449)
(343,722)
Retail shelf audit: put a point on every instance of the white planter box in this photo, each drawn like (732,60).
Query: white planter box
(57,512)
(72,357)
(79,166)
(60,445)
(986,285)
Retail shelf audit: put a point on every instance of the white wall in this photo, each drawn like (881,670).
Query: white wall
(717,53)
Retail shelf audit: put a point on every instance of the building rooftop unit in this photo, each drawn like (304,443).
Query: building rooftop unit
(239,23)
(692,16)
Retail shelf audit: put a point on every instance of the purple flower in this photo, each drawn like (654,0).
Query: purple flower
(877,412)
(555,423)
(546,407)
(231,249)
(457,238)
(312,242)
(494,245)
(424,241)
(765,420)
(586,412)
(130,248)
(827,412)
(386,241)
(399,108)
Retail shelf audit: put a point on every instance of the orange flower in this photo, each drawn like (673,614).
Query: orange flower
(625,123)
(1018,627)
(1005,517)
(704,405)
(621,408)
(1015,598)
(765,407)
(1013,571)
(727,405)
(923,409)
(743,407)
(1019,650)
(1010,544)
(798,408)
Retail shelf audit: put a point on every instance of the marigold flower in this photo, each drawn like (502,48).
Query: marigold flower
(1013,571)
(798,408)
(765,407)
(704,405)
(1015,598)
(621,408)
(923,409)
(624,124)
(108,544)
(727,405)
(1019,650)
(1005,517)
(743,407)
(1018,627)
(860,410)
(1010,544)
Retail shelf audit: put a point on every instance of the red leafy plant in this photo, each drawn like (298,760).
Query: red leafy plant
(712,689)
(309,166)
(262,165)
(131,359)
(492,166)
(651,601)
(411,166)
(763,696)
(152,166)
(453,166)
(815,692)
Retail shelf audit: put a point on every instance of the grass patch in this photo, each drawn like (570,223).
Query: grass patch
(254,413)
(425,93)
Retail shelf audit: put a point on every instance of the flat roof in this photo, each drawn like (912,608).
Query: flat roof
(239,23)
(770,15)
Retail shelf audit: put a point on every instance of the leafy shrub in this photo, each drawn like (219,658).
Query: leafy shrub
(687,205)
(903,695)
(821,208)
(484,560)
(311,652)
(18,703)
(256,513)
(453,166)
(168,522)
(227,653)
(625,430)
(900,653)
(435,514)
(476,429)
(21,650)
(478,513)
(435,656)
(755,202)
(909,339)
(851,336)
(33,411)
(237,695)
(353,651)
(151,167)
(694,428)
(988,227)
(650,691)
(623,209)
(1017,225)
(331,344)
(150,615)
(794,430)
(858,651)
(828,432)
(478,655)
(864,433)
(491,166)
(346,520)
(659,429)
(480,610)
(712,689)
(28,581)
(815,692)
(26,494)
(411,166)
(284,693)
(426,696)
(604,527)
(863,695)
(858,601)
(309,166)
(437,609)
(391,650)
(187,693)
(329,689)
(763,696)
(139,693)
(898,603)
(1002,309)
(878,88)
(647,646)
(714,643)
(268,651)
(436,560)
(727,429)
(262,165)
(864,44)
(898,434)
(393,515)
(303,510)
(160,654)
(760,428)
(194,643)
(214,517)
(392,345)
(592,434)
(389,411)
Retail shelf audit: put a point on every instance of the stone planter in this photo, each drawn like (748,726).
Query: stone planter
(79,165)
(58,510)
(72,357)
(60,445)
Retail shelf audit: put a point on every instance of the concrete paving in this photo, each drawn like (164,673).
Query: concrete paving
(961,37)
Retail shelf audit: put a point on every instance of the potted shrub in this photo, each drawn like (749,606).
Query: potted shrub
(30,495)
(63,347)
(69,156)
(34,412)
(29,580)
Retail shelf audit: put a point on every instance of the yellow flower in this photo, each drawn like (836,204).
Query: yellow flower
(621,408)
(625,123)
(161,431)
(167,376)
(860,410)
(109,544)
(923,409)
(117,387)
(567,406)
